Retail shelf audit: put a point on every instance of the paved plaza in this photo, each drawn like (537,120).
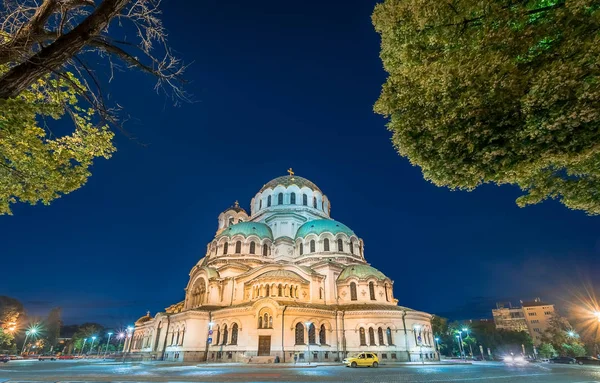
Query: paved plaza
(86,371)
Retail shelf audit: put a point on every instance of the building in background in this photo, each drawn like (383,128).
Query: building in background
(532,316)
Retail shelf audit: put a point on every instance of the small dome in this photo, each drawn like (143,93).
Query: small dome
(143,319)
(247,229)
(236,207)
(319,226)
(361,272)
(288,181)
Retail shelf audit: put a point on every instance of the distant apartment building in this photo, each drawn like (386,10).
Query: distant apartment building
(532,316)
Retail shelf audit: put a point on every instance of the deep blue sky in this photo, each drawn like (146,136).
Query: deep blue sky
(278,84)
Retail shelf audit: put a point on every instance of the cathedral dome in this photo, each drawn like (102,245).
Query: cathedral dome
(320,226)
(247,229)
(361,272)
(288,181)
(143,319)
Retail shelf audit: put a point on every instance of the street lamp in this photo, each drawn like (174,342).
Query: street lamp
(466,330)
(120,337)
(92,344)
(108,340)
(31,331)
(308,324)
(437,344)
(83,346)
(460,345)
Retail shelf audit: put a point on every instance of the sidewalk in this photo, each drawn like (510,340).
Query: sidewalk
(322,364)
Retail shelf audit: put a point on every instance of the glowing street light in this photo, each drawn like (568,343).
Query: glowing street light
(120,337)
(108,340)
(32,331)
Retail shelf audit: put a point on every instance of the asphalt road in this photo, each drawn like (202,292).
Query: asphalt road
(84,371)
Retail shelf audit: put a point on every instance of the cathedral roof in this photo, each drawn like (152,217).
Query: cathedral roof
(247,229)
(319,226)
(236,207)
(281,275)
(143,319)
(288,181)
(361,272)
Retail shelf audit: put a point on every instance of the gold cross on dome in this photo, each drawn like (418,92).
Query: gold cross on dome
(290,171)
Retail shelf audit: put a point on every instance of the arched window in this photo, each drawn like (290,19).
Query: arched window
(230,221)
(301,249)
(387,297)
(340,245)
(363,339)
(299,333)
(311,334)
(260,324)
(225,248)
(280,290)
(225,334)
(291,291)
(304,199)
(280,199)
(270,322)
(351,247)
(315,202)
(322,335)
(182,336)
(266,320)
(268,288)
(268,201)
(326,244)
(312,246)
(372,291)
(218,335)
(321,293)
(265,249)
(380,336)
(234,333)
(389,336)
(238,247)
(176,339)
(260,204)
(293,198)
(372,336)
(353,295)
(252,248)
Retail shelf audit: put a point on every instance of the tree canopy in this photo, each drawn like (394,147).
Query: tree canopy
(496,92)
(46,51)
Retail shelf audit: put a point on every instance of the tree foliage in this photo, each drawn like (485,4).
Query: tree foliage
(84,336)
(10,311)
(496,92)
(563,338)
(46,47)
(546,350)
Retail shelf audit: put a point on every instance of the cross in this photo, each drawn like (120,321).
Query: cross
(290,171)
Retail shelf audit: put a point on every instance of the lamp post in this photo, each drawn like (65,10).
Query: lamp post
(129,340)
(466,329)
(308,324)
(31,331)
(437,346)
(120,337)
(82,347)
(460,348)
(92,344)
(108,340)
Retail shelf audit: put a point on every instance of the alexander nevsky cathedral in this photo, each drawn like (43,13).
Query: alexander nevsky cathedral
(285,282)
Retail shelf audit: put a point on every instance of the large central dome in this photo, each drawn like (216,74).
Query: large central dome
(288,181)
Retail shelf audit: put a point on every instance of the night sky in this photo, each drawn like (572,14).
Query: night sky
(278,84)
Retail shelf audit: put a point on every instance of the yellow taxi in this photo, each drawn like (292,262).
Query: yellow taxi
(363,359)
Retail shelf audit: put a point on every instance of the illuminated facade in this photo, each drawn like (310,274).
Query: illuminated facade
(285,281)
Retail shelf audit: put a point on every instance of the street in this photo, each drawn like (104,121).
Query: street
(98,371)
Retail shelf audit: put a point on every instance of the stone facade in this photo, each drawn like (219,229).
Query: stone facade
(286,281)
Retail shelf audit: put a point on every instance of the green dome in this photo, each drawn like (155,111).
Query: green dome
(361,272)
(247,229)
(319,226)
(288,181)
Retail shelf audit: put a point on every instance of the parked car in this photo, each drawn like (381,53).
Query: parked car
(66,357)
(4,358)
(587,360)
(46,357)
(563,360)
(363,359)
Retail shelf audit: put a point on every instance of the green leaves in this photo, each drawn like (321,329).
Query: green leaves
(481,92)
(36,166)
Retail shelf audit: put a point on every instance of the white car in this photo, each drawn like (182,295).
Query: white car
(514,360)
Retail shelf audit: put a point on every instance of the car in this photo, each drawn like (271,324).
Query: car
(4,358)
(46,357)
(514,360)
(563,360)
(587,360)
(544,360)
(68,357)
(362,359)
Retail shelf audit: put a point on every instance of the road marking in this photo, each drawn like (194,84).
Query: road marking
(493,377)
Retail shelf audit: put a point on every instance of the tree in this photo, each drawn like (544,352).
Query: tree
(496,92)
(562,337)
(546,350)
(84,336)
(44,72)
(10,311)
(52,325)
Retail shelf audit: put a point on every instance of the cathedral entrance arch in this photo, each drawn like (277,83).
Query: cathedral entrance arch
(264,345)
